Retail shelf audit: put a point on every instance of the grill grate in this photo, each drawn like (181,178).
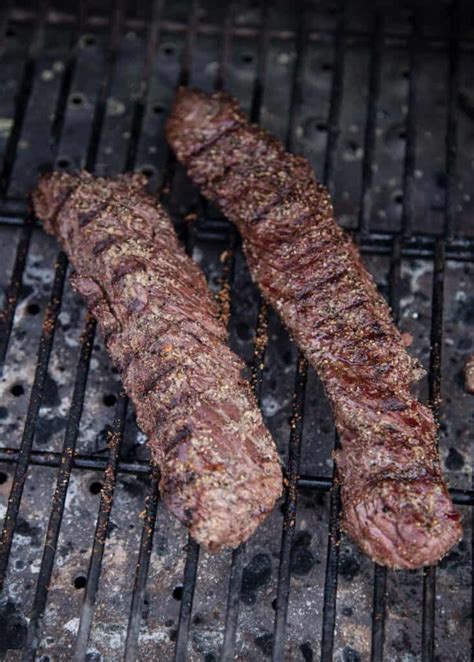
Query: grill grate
(77,82)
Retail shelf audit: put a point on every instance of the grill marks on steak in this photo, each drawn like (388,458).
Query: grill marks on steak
(220,472)
(395,502)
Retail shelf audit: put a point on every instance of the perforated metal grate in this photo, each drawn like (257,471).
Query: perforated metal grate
(380,100)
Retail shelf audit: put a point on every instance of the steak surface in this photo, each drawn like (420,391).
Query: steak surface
(396,505)
(219,468)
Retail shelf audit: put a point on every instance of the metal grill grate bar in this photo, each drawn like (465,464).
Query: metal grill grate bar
(261,340)
(101,530)
(330,581)
(91,463)
(99,111)
(297,417)
(60,493)
(429,574)
(419,245)
(152,498)
(192,554)
(452,123)
(141,573)
(13,290)
(189,585)
(23,98)
(21,469)
(21,104)
(365,207)
(115,438)
(435,373)
(14,287)
(290,510)
(66,462)
(60,115)
(332,561)
(153,41)
(335,101)
(359,35)
(378,613)
(410,144)
(238,555)
(380,573)
(233,601)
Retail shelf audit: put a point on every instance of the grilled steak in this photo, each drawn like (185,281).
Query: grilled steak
(396,505)
(469,375)
(220,472)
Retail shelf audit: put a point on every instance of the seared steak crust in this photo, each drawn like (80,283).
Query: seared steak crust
(220,472)
(396,505)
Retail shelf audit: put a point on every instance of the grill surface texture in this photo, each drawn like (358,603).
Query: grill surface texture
(378,98)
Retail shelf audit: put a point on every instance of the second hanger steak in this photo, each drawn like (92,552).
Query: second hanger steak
(396,505)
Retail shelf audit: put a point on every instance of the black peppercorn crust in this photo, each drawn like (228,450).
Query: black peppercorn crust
(220,472)
(395,502)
